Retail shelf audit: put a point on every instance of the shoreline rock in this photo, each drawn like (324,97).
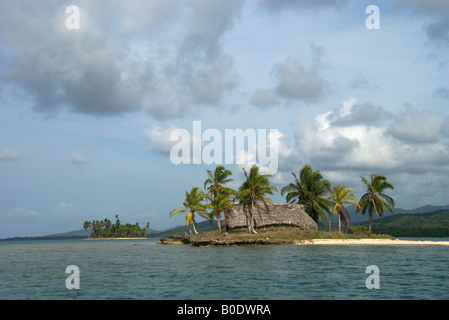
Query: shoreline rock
(210,240)
(223,240)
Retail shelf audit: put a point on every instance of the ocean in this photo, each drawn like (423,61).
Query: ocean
(145,270)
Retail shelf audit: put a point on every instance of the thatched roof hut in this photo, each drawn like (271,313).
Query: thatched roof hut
(285,215)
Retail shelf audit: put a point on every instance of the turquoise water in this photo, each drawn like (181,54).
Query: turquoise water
(142,269)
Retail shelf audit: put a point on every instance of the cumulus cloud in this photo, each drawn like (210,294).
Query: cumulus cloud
(118,61)
(277,5)
(351,112)
(442,92)
(21,213)
(77,158)
(264,98)
(221,147)
(414,142)
(159,138)
(283,159)
(297,82)
(437,31)
(63,207)
(9,155)
(416,126)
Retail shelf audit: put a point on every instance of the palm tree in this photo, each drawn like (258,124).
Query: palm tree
(87,225)
(215,188)
(253,190)
(216,180)
(220,203)
(294,191)
(312,191)
(192,204)
(375,200)
(145,230)
(341,195)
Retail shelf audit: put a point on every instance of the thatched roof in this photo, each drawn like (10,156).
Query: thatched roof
(289,215)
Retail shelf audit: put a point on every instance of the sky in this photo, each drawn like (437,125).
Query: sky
(87,109)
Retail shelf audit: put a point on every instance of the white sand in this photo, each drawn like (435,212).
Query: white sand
(373,242)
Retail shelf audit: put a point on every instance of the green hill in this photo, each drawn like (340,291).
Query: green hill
(433,224)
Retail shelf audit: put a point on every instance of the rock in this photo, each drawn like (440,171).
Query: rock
(216,239)
(175,239)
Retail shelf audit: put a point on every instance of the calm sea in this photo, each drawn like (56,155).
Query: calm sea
(142,269)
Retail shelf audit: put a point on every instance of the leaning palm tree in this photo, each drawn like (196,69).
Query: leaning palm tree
(253,191)
(312,191)
(375,200)
(220,202)
(342,196)
(193,203)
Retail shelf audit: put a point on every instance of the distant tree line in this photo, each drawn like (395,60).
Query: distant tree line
(440,231)
(106,229)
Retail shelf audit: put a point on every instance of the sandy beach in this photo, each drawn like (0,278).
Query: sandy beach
(373,242)
(115,239)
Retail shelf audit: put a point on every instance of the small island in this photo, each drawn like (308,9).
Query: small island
(104,229)
(282,236)
(251,218)
(272,236)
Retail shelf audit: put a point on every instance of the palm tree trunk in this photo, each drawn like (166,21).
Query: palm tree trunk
(252,219)
(218,222)
(370,219)
(339,222)
(193,225)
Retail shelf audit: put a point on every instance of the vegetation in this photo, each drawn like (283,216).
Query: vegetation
(105,229)
(308,188)
(375,200)
(341,196)
(312,191)
(252,192)
(279,233)
(218,194)
(193,203)
(431,224)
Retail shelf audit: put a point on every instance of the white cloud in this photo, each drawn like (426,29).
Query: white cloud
(21,213)
(297,82)
(281,164)
(416,141)
(8,155)
(159,138)
(63,208)
(415,126)
(264,98)
(78,158)
(120,60)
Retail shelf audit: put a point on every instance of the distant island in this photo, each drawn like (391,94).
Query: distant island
(104,229)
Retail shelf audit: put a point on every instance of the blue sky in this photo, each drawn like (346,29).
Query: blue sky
(86,114)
